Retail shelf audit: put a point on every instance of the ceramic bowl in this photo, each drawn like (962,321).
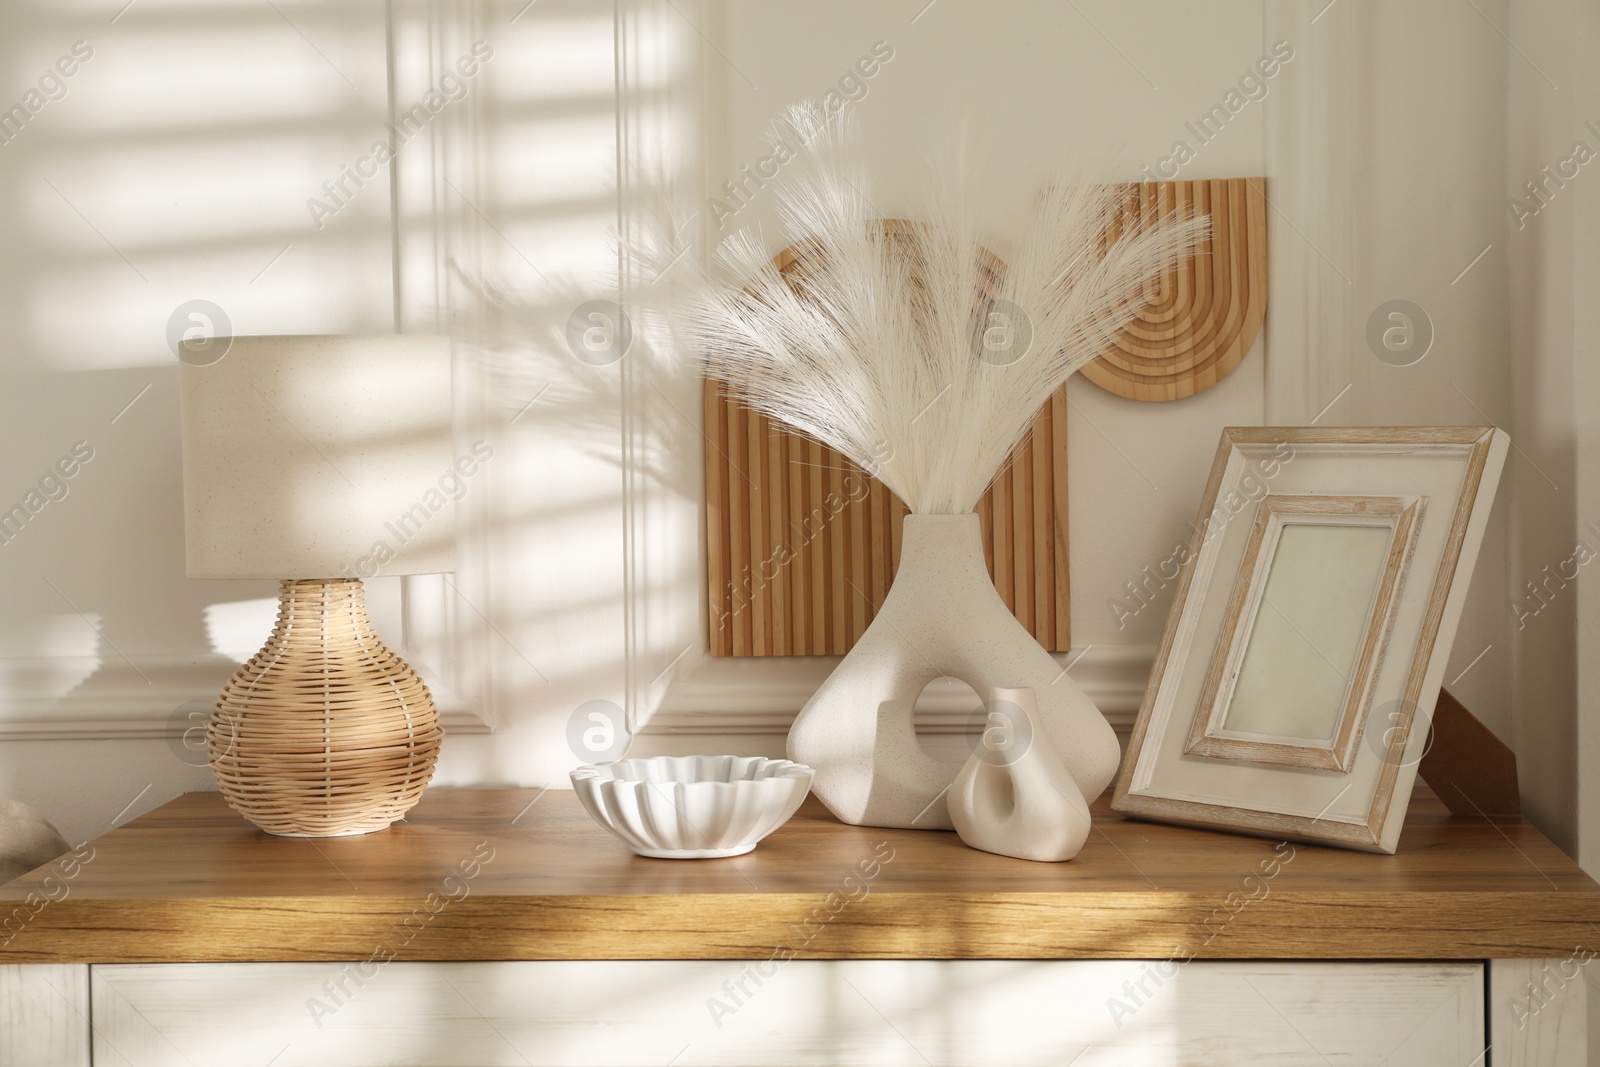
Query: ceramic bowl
(692,807)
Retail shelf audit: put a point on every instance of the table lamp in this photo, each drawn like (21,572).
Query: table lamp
(319,461)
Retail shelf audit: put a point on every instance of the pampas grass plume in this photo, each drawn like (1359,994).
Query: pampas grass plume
(876,347)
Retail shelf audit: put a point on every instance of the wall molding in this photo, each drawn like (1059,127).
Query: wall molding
(79,698)
(759,697)
(95,697)
(1311,141)
(661,144)
(435,234)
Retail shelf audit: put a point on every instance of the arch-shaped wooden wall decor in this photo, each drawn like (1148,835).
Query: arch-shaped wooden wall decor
(1208,309)
(801,544)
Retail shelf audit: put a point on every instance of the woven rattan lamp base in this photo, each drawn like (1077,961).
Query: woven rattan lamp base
(325,732)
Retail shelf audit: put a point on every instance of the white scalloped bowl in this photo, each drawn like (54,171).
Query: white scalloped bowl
(692,807)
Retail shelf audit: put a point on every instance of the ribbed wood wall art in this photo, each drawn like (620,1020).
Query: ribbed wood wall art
(801,544)
(1207,311)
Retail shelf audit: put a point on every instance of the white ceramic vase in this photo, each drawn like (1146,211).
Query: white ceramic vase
(1015,797)
(942,617)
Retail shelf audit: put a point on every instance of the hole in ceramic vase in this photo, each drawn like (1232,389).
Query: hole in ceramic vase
(946,719)
(1003,789)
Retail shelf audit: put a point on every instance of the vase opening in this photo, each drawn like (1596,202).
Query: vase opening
(948,719)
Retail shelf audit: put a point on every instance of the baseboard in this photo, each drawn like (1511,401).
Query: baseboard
(760,696)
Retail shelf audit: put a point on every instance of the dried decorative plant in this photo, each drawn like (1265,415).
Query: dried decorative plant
(907,347)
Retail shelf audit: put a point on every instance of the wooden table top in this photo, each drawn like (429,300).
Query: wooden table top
(524,875)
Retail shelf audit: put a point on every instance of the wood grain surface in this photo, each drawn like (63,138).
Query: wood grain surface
(193,882)
(1472,770)
(1205,311)
(802,544)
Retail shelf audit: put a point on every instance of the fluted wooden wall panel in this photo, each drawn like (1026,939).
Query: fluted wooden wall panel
(802,544)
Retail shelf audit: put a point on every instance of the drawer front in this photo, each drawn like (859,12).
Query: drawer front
(868,1012)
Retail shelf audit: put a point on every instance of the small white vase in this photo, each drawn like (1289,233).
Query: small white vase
(942,617)
(1014,797)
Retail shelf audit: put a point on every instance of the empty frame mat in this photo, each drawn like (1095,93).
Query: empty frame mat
(1305,630)
(1310,629)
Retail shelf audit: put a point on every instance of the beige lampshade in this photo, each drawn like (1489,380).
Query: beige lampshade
(321,457)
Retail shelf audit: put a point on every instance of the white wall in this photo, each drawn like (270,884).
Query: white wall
(1426,206)
(1034,84)
(184,151)
(1031,86)
(531,207)
(1356,220)
(1554,399)
(175,166)
(1586,389)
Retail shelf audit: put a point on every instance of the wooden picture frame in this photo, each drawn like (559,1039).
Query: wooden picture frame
(1312,737)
